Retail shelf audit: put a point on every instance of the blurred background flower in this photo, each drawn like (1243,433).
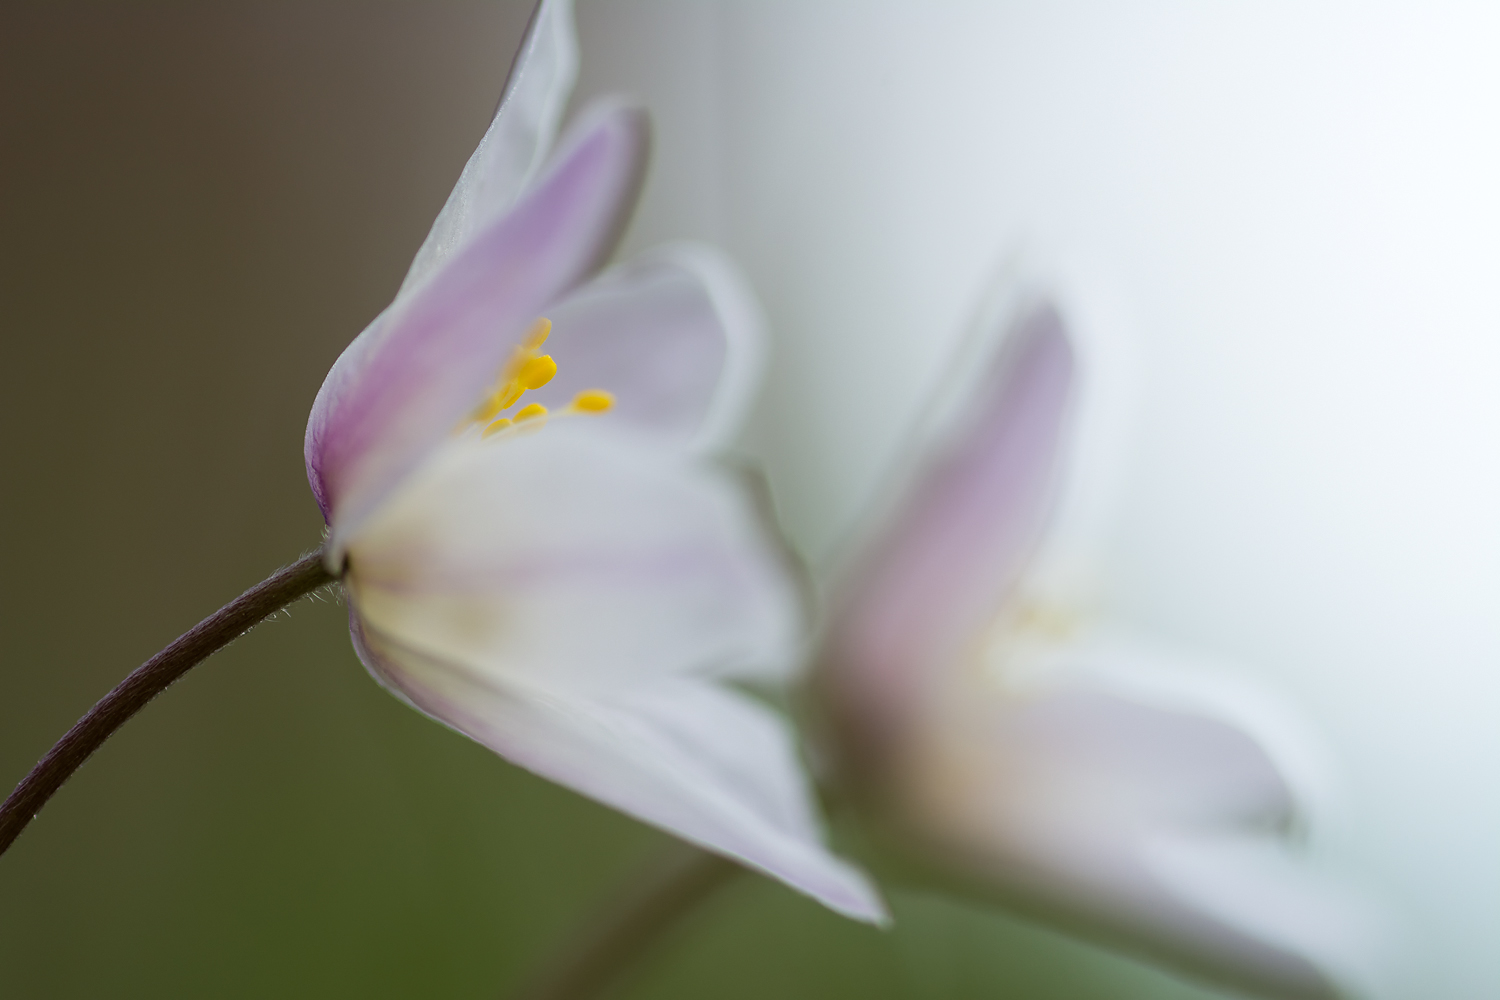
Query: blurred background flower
(1291,208)
(1006,748)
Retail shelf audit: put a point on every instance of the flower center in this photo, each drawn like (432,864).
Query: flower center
(527,369)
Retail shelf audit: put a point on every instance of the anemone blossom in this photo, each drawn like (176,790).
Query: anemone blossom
(1071,773)
(516,466)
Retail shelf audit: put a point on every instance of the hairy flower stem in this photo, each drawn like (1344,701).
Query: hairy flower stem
(151,679)
(648,909)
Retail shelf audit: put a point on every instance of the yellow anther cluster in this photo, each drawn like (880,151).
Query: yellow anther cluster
(529,369)
(526,369)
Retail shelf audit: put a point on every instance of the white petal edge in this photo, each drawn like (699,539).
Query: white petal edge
(1166,677)
(701,762)
(1252,885)
(1258,884)
(744,324)
(515,145)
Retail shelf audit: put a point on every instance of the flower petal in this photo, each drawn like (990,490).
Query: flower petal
(706,764)
(676,336)
(960,540)
(403,384)
(516,142)
(1137,822)
(580,553)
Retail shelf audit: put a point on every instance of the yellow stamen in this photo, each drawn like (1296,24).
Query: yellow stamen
(537,372)
(507,395)
(529,369)
(593,401)
(486,410)
(531,412)
(537,335)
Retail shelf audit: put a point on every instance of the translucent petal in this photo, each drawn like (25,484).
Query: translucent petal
(676,336)
(579,551)
(516,142)
(960,539)
(1133,817)
(704,763)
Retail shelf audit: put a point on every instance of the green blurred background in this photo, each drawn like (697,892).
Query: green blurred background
(199,206)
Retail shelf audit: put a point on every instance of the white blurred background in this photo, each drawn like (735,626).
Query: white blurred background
(1289,211)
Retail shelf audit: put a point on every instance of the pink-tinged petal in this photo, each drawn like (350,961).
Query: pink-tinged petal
(703,763)
(514,146)
(1133,822)
(582,553)
(338,384)
(676,337)
(429,358)
(960,540)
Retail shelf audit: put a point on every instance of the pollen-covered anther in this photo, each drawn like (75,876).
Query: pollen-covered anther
(593,401)
(507,395)
(533,412)
(537,335)
(497,427)
(537,372)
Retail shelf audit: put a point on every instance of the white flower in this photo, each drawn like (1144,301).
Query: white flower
(1074,774)
(568,578)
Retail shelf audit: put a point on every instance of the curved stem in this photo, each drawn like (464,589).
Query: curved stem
(648,909)
(151,679)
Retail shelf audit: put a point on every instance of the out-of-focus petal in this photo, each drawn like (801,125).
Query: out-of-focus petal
(1253,885)
(926,589)
(516,142)
(579,554)
(703,763)
(676,336)
(1132,821)
(406,381)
